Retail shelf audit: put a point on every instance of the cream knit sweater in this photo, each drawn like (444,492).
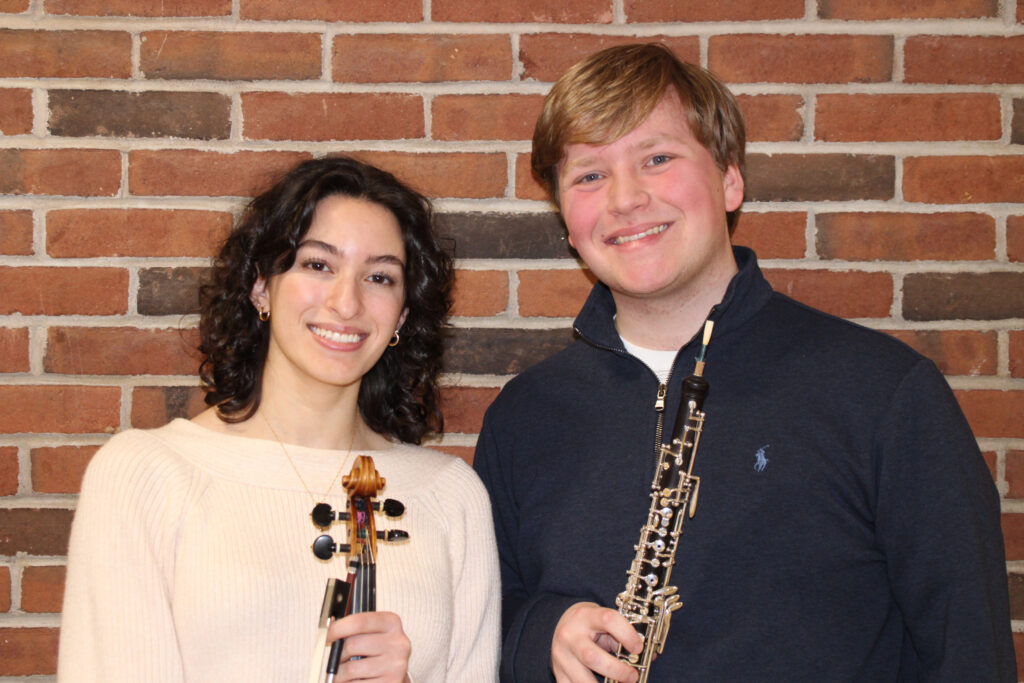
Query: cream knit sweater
(190,560)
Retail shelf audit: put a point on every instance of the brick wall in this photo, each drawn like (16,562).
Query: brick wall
(886,184)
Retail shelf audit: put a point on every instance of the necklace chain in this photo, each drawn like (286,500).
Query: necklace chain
(302,481)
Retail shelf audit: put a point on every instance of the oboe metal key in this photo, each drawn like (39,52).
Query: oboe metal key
(649,600)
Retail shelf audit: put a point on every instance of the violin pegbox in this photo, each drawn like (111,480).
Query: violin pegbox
(363,483)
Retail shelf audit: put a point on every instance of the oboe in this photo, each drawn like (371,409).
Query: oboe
(649,601)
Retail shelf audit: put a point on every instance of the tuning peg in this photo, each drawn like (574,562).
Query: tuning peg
(390,507)
(323,515)
(324,547)
(392,535)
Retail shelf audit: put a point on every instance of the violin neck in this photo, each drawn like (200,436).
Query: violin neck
(364,587)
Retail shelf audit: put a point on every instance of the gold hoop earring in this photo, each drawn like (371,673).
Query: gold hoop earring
(394,340)
(264,315)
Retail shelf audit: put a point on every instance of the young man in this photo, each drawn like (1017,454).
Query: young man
(847,528)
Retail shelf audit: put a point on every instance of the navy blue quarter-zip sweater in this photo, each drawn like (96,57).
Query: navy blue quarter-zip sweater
(847,527)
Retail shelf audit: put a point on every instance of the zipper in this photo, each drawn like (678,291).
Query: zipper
(659,408)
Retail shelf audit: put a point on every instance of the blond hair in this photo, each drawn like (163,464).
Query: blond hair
(611,92)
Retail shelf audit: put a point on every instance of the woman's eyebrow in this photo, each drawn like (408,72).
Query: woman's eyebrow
(334,251)
(318,244)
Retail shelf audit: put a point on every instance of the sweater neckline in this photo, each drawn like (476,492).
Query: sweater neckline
(260,462)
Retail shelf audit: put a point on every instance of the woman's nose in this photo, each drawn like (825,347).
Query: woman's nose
(344,297)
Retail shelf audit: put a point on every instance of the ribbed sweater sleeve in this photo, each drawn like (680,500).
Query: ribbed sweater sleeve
(476,608)
(117,622)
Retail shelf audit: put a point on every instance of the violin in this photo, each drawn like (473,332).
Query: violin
(358,591)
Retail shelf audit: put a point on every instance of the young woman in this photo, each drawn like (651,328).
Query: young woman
(190,554)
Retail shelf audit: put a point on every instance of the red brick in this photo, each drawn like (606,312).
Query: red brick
(156,406)
(466,175)
(546,56)
(1013,537)
(65,54)
(16,232)
(9,470)
(42,588)
(34,531)
(80,233)
(881,118)
(1015,238)
(773,118)
(5,589)
(480,292)
(150,114)
(819,177)
(541,11)
(140,8)
(464,408)
(845,294)
(773,234)
(81,172)
(956,352)
(993,413)
(1017,353)
(372,58)
(713,10)
(332,10)
(1017,122)
(230,56)
(985,295)
(964,179)
(14,349)
(15,111)
(28,651)
(964,59)
(121,351)
(873,10)
(14,6)
(63,291)
(205,173)
(527,186)
(485,117)
(1015,474)
(60,469)
(1018,638)
(332,116)
(756,58)
(170,291)
(59,409)
(906,236)
(553,293)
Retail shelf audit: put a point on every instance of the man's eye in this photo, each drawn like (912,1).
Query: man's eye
(590,177)
(659,159)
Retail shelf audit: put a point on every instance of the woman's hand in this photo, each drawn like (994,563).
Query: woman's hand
(378,641)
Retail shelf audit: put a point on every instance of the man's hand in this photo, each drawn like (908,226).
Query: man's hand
(584,638)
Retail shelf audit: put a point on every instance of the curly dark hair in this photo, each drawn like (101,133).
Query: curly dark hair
(399,396)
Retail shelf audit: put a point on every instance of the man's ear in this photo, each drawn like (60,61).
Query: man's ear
(732,184)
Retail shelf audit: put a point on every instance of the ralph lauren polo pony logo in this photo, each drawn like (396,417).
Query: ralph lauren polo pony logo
(760,461)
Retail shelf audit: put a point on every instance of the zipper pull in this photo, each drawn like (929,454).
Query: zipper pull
(659,404)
